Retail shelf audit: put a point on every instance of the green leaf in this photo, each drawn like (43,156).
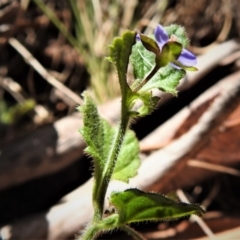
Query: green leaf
(150,44)
(99,134)
(148,103)
(166,80)
(142,60)
(119,52)
(178,32)
(148,106)
(134,205)
(96,132)
(170,52)
(128,160)
(187,68)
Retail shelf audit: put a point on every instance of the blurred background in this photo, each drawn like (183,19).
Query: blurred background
(51,51)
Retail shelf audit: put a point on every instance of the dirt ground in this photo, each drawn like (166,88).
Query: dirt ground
(44,176)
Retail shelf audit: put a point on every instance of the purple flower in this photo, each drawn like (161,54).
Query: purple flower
(186,58)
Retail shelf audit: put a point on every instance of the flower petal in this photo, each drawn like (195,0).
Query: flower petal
(161,35)
(175,66)
(187,58)
(138,37)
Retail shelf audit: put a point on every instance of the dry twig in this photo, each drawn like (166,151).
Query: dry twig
(195,218)
(75,99)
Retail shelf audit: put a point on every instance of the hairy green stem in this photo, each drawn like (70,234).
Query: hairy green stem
(100,189)
(146,79)
(94,229)
(136,235)
(102,181)
(90,233)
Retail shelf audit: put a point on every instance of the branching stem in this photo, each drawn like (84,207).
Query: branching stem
(146,79)
(103,225)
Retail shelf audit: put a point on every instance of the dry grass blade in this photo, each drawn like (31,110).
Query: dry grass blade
(231,123)
(13,88)
(212,195)
(197,219)
(156,16)
(128,13)
(214,167)
(230,234)
(29,58)
(97,13)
